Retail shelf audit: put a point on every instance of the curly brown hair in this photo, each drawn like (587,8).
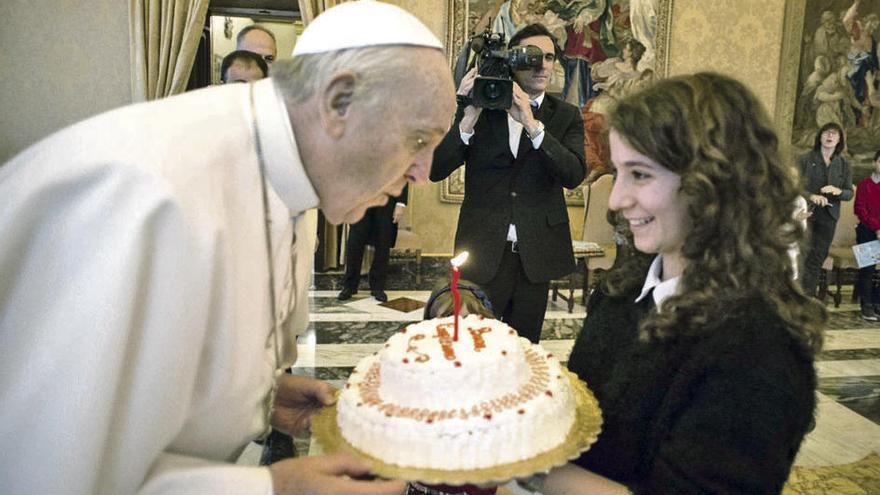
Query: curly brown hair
(713,132)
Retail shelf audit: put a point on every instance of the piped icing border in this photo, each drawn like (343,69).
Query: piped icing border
(535,386)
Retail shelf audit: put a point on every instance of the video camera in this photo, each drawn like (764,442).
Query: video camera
(493,86)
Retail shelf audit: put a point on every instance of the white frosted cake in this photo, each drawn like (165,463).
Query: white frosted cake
(426,401)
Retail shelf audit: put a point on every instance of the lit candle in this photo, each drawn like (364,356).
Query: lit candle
(456,298)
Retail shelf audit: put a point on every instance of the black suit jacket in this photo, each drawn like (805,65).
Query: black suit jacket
(525,191)
(377,226)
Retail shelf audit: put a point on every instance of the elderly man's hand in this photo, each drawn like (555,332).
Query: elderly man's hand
(297,399)
(328,475)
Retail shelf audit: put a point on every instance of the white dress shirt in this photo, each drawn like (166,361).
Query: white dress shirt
(663,289)
(514,133)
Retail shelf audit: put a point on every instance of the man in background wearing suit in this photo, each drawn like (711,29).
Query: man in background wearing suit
(513,220)
(379,229)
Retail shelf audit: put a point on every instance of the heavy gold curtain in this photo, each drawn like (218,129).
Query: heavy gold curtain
(311,8)
(164,39)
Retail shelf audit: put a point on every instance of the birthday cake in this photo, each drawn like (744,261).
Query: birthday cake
(426,400)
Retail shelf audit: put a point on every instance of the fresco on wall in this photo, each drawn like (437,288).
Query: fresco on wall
(606,43)
(839,76)
(609,49)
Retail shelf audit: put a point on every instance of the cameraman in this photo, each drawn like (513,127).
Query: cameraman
(513,220)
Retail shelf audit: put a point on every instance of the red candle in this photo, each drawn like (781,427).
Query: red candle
(456,297)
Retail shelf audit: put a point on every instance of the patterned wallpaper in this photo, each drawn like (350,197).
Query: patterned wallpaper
(741,39)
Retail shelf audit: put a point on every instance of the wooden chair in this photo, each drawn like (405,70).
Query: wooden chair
(596,249)
(596,227)
(841,262)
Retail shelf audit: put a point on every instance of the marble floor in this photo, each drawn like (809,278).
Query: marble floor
(848,417)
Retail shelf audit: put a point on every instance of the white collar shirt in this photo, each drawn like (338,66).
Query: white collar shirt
(662,289)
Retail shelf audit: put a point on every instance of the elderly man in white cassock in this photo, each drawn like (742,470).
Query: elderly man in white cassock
(152,283)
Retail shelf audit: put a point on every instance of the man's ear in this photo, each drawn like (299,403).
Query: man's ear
(335,102)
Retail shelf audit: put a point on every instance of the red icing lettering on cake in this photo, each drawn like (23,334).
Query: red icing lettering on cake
(477,335)
(410,347)
(446,340)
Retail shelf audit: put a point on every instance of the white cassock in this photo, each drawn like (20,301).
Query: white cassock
(137,350)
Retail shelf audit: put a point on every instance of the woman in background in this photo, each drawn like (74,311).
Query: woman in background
(827,178)
(702,362)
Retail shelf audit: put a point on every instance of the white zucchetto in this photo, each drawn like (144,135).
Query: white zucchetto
(363,23)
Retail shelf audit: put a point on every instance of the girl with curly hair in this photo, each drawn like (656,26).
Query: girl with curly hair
(702,357)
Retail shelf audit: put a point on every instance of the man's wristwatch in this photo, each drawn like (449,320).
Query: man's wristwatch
(537,132)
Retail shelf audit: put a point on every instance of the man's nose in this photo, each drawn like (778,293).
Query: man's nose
(420,169)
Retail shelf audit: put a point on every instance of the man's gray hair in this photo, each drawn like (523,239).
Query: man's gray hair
(252,27)
(297,79)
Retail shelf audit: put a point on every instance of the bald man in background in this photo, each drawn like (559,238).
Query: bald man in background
(258,39)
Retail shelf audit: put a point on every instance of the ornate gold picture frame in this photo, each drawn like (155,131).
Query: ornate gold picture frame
(825,77)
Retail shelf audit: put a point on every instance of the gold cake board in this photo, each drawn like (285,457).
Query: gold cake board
(583,433)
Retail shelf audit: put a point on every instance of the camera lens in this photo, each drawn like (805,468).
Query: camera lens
(492,91)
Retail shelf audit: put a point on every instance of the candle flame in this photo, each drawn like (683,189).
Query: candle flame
(460,259)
